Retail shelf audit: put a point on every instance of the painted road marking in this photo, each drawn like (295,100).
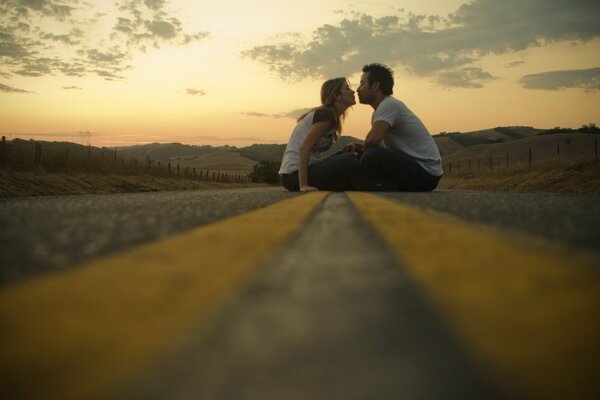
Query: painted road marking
(332,316)
(84,333)
(532,318)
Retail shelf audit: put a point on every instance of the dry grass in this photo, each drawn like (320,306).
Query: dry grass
(582,177)
(29,183)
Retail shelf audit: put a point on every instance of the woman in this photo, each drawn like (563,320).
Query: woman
(302,168)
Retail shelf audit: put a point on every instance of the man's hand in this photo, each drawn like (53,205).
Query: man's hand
(308,189)
(356,147)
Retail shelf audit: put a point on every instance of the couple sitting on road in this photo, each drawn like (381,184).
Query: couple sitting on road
(398,152)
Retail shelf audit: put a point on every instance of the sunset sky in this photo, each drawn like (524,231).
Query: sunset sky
(232,72)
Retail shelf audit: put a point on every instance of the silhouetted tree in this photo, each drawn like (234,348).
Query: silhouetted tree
(589,128)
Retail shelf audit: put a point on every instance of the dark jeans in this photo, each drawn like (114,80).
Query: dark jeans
(333,173)
(396,168)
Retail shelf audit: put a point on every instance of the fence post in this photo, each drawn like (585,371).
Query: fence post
(558,151)
(450,167)
(178,170)
(491,164)
(3,151)
(169,168)
(478,165)
(530,158)
(507,161)
(469,164)
(596,148)
(38,154)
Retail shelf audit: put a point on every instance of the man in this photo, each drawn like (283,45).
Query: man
(398,152)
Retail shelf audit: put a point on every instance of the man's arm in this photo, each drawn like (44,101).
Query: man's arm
(374,137)
(376,134)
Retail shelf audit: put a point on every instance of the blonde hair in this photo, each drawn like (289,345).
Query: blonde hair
(329,90)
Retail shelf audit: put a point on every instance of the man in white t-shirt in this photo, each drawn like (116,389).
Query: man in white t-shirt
(398,152)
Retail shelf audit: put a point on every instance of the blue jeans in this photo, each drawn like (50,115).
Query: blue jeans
(333,173)
(395,167)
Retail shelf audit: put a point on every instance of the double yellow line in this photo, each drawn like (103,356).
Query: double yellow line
(87,332)
(531,319)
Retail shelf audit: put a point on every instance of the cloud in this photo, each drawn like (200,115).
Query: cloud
(468,77)
(148,22)
(289,114)
(256,114)
(72,88)
(195,92)
(44,7)
(586,79)
(70,48)
(431,45)
(10,89)
(514,64)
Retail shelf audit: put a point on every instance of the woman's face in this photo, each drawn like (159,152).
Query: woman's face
(346,95)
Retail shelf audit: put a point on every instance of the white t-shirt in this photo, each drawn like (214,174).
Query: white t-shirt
(408,135)
(291,155)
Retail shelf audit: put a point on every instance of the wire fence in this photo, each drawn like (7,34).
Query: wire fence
(48,157)
(530,158)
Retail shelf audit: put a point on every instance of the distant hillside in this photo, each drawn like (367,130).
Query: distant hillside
(229,162)
(255,152)
(549,146)
(263,152)
(168,151)
(452,142)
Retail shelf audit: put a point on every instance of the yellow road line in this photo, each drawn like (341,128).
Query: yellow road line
(83,333)
(533,319)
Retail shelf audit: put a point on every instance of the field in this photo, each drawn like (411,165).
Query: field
(52,168)
(572,146)
(581,177)
(226,162)
(524,161)
(508,159)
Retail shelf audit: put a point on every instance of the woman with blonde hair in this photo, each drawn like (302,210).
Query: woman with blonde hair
(302,168)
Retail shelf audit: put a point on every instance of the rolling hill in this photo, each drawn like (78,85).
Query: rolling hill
(454,146)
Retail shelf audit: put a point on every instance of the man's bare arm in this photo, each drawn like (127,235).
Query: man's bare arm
(376,134)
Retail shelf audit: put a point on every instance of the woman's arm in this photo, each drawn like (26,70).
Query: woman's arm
(316,132)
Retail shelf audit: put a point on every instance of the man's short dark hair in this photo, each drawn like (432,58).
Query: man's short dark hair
(382,74)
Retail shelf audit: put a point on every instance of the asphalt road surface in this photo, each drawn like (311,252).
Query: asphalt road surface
(266,294)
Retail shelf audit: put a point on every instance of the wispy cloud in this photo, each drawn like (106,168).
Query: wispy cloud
(70,49)
(468,77)
(257,114)
(289,114)
(586,79)
(195,92)
(514,64)
(9,89)
(431,45)
(72,88)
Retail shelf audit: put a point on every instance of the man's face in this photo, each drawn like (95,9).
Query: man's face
(365,94)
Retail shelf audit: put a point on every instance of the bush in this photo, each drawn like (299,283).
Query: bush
(266,171)
(589,128)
